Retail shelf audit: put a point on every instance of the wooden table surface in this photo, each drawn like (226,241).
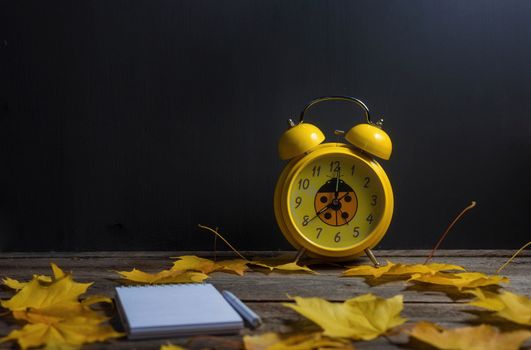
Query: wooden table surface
(265,292)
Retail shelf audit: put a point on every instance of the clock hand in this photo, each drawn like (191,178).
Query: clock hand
(323,209)
(337,181)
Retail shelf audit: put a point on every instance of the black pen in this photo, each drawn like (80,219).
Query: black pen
(247,314)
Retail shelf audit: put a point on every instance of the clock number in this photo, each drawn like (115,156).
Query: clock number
(334,166)
(319,230)
(374,198)
(370,219)
(304,184)
(352,170)
(305,220)
(316,171)
(356,232)
(298,201)
(337,237)
(367,180)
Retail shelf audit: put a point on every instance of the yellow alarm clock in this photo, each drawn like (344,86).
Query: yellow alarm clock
(333,200)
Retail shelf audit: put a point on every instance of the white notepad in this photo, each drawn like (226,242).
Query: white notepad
(175,310)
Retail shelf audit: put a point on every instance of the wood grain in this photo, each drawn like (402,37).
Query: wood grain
(265,292)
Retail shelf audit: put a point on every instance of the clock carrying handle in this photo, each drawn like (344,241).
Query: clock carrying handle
(337,98)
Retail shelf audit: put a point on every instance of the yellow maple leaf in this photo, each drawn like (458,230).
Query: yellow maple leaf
(281,263)
(392,269)
(164,276)
(311,341)
(206,266)
(193,263)
(511,306)
(460,280)
(238,266)
(61,296)
(482,337)
(64,334)
(292,266)
(364,317)
(57,318)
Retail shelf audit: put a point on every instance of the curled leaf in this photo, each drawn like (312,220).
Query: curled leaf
(482,337)
(193,263)
(511,306)
(460,280)
(311,341)
(17,285)
(364,317)
(164,276)
(392,269)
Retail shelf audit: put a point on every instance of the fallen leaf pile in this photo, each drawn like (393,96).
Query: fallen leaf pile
(55,315)
(365,317)
(482,337)
(193,269)
(512,307)
(308,341)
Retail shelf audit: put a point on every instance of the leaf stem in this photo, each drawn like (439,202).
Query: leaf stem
(223,239)
(512,257)
(472,205)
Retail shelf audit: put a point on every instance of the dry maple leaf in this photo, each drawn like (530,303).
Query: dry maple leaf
(392,269)
(281,263)
(460,280)
(164,276)
(311,341)
(56,316)
(64,334)
(206,266)
(364,317)
(512,307)
(482,337)
(292,266)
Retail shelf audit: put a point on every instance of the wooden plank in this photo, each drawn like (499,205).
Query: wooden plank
(327,284)
(265,292)
(280,319)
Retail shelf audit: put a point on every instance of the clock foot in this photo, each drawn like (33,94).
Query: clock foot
(372,257)
(300,253)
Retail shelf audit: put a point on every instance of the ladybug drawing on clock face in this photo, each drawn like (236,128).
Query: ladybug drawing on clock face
(336,202)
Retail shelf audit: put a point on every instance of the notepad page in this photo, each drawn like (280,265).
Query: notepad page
(174,305)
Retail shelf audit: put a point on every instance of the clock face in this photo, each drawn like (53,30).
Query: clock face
(336,201)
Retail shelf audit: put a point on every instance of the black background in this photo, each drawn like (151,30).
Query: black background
(123,124)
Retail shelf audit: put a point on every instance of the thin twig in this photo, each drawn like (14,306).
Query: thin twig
(472,205)
(215,246)
(223,239)
(512,257)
